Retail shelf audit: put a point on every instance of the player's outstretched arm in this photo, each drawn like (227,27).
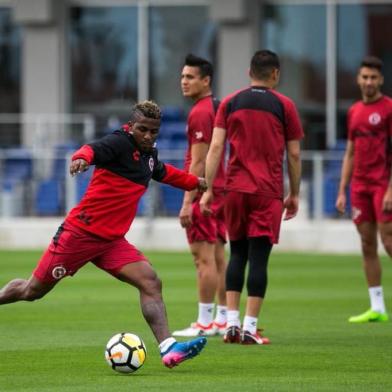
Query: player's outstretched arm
(81,159)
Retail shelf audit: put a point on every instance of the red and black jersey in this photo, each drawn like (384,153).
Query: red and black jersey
(200,124)
(121,176)
(259,122)
(370,130)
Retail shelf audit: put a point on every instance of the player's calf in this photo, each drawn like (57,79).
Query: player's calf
(13,291)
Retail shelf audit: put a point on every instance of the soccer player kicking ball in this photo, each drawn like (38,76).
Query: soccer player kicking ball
(367,161)
(125,162)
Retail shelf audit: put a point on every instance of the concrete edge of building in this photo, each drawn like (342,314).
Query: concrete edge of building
(298,235)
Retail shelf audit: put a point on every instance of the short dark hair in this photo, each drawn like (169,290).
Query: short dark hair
(372,62)
(147,109)
(205,67)
(263,63)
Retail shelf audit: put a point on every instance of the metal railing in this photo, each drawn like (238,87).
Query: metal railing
(37,183)
(45,130)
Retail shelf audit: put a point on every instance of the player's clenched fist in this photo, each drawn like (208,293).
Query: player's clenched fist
(205,203)
(202,187)
(78,166)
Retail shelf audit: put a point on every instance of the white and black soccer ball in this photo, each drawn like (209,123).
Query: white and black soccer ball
(125,352)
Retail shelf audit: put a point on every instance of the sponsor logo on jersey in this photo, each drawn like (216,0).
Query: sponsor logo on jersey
(59,272)
(375,118)
(136,155)
(151,163)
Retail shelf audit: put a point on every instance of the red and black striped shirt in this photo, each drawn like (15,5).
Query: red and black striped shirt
(121,176)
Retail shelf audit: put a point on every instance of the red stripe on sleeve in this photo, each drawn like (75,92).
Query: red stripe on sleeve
(85,152)
(179,178)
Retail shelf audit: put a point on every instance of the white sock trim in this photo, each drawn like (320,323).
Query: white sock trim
(250,324)
(165,344)
(206,314)
(233,318)
(221,314)
(377,299)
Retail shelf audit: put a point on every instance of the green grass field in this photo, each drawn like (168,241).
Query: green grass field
(57,343)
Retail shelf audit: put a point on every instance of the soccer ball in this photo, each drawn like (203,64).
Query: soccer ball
(125,352)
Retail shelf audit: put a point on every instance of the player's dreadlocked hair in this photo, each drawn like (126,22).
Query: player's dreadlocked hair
(147,109)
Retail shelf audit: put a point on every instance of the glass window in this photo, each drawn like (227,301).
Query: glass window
(103,43)
(370,25)
(175,32)
(9,76)
(297,33)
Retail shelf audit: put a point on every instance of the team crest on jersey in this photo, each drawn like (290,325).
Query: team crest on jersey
(59,272)
(374,118)
(151,163)
(356,213)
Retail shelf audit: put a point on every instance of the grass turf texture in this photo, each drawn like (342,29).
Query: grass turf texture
(57,343)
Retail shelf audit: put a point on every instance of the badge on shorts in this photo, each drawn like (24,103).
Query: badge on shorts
(151,163)
(59,272)
(356,212)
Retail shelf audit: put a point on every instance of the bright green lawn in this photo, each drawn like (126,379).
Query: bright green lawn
(57,344)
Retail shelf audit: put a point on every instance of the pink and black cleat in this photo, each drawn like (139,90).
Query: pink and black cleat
(180,352)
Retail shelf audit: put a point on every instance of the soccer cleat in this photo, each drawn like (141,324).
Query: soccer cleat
(196,329)
(232,335)
(253,338)
(180,352)
(219,329)
(369,316)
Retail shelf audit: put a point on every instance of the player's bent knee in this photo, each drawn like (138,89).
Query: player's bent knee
(151,286)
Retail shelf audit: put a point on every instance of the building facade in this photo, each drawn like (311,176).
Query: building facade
(95,57)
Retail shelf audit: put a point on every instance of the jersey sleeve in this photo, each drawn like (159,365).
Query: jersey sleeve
(220,118)
(85,152)
(170,175)
(107,148)
(200,128)
(350,130)
(294,129)
(390,121)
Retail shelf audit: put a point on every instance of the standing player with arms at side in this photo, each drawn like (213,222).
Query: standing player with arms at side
(260,124)
(367,161)
(206,234)
(94,230)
